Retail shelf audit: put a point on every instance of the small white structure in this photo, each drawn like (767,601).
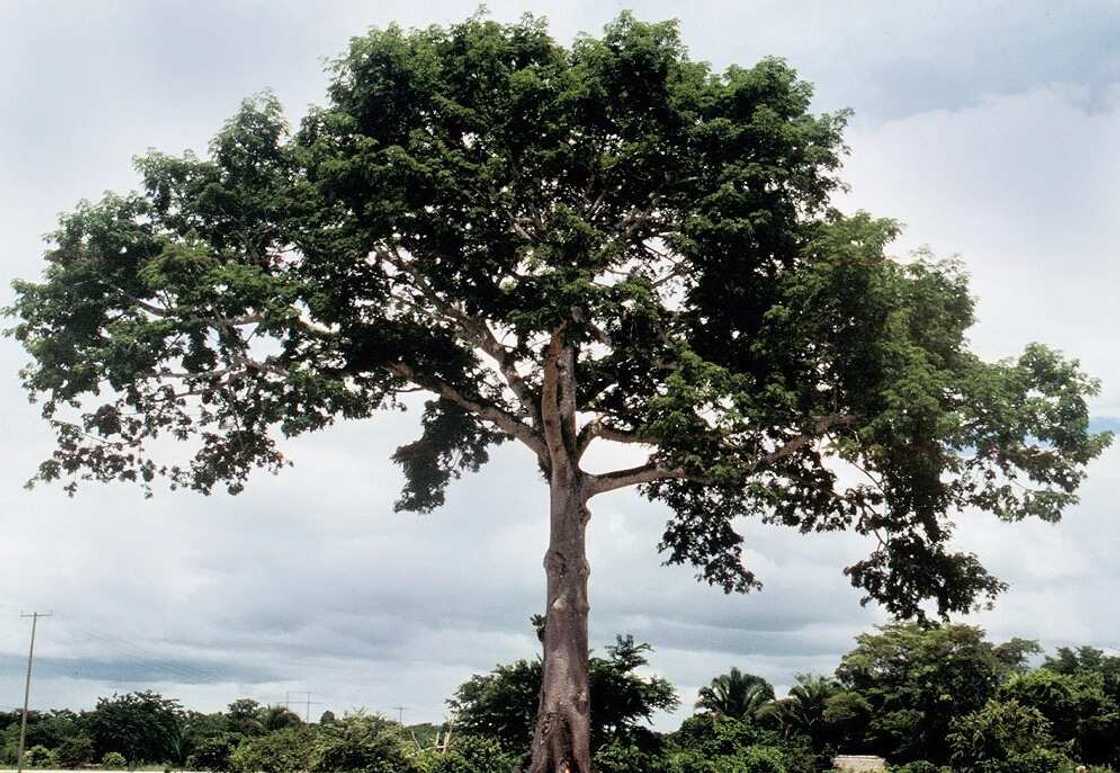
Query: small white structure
(858,762)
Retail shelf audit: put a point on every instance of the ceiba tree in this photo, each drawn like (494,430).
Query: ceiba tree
(563,245)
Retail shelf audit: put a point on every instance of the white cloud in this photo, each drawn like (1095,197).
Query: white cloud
(1025,188)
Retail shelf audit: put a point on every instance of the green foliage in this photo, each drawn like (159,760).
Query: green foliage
(39,757)
(900,682)
(468,754)
(625,757)
(920,766)
(719,744)
(113,761)
(1077,707)
(820,714)
(214,754)
(77,751)
(360,742)
(502,704)
(246,717)
(915,680)
(142,726)
(279,717)
(1004,737)
(198,730)
(717,737)
(285,751)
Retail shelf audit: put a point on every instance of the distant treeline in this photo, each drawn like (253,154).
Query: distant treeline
(928,699)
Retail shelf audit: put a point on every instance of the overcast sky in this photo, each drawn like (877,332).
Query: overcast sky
(992,129)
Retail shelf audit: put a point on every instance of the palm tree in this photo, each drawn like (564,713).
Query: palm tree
(735,694)
(279,717)
(803,712)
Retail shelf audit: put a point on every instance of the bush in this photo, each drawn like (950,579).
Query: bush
(285,751)
(214,754)
(75,752)
(469,754)
(113,761)
(38,757)
(920,766)
(1033,761)
(1004,737)
(364,742)
(762,759)
(756,759)
(617,757)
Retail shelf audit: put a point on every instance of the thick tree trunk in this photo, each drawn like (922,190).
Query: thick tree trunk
(562,739)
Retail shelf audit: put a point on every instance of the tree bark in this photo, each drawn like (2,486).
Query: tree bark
(562,736)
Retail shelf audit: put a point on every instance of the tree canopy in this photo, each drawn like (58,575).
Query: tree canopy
(474,199)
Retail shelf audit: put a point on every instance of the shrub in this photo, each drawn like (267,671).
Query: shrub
(469,754)
(113,761)
(285,751)
(762,759)
(618,757)
(75,751)
(38,757)
(214,754)
(920,766)
(1004,737)
(364,742)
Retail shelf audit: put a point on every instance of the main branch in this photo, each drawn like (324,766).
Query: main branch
(503,420)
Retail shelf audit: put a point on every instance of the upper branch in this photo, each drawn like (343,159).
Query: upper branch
(652,471)
(597,429)
(472,328)
(504,420)
(633,476)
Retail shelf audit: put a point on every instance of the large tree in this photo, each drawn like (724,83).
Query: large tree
(563,245)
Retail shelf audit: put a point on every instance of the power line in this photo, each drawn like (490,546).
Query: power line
(27,685)
(307,711)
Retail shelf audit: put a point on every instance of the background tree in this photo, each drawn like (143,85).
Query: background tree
(502,705)
(735,695)
(75,752)
(214,753)
(916,680)
(1077,706)
(142,726)
(197,730)
(563,246)
(819,710)
(279,717)
(1004,738)
(365,742)
(285,751)
(245,716)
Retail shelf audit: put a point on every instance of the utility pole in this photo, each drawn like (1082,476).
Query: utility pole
(400,714)
(307,711)
(27,685)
